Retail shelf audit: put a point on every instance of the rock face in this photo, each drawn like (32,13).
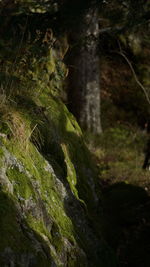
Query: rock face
(50,206)
(48,195)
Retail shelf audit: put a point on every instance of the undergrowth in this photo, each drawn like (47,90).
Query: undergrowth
(119,154)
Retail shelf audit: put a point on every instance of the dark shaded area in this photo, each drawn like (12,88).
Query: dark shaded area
(146,163)
(126,223)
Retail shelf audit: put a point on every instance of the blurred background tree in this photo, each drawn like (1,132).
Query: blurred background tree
(104,36)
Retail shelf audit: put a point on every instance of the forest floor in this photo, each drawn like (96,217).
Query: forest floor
(119,153)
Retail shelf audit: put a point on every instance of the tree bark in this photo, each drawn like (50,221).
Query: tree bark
(84,74)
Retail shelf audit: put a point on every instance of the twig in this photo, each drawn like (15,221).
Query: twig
(134,74)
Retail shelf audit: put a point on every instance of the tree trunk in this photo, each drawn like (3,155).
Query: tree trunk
(84,75)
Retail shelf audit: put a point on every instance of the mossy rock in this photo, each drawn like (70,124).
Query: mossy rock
(49,190)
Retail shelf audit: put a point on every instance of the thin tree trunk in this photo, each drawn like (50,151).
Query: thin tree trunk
(84,87)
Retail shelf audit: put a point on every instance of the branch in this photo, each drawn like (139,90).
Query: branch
(116,29)
(134,75)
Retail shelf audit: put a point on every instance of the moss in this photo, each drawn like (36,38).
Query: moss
(23,187)
(71,173)
(34,163)
(21,183)
(9,230)
(56,237)
(68,134)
